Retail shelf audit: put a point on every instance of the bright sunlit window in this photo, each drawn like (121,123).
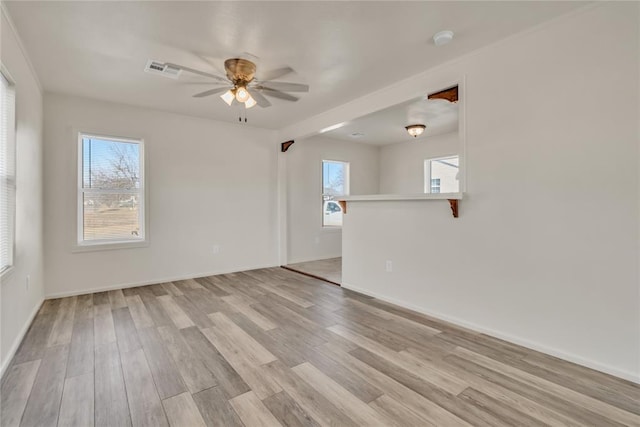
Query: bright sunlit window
(335,183)
(110,190)
(441,175)
(7,171)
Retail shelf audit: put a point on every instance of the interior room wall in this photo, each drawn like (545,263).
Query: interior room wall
(545,251)
(209,183)
(307,239)
(19,302)
(402,164)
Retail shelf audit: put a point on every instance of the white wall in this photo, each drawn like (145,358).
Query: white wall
(209,183)
(545,252)
(19,304)
(402,164)
(307,239)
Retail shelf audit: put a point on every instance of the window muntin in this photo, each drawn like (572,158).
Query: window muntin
(335,183)
(7,171)
(110,190)
(441,175)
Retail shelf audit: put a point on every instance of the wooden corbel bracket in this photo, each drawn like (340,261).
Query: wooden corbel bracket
(454,207)
(285,145)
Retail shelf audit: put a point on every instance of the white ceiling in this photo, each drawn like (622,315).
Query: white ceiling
(387,126)
(343,50)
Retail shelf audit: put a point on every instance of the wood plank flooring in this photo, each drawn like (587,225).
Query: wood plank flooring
(271,347)
(329,269)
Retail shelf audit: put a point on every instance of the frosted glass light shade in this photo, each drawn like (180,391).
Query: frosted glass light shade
(415,130)
(242,94)
(228,97)
(250,102)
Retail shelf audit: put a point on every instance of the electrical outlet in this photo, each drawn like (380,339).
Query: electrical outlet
(216,249)
(28,281)
(389,266)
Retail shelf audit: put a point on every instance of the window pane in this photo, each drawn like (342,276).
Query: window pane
(331,213)
(111,216)
(444,175)
(110,164)
(333,178)
(335,182)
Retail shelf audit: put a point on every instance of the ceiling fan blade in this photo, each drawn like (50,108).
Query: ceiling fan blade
(275,74)
(277,94)
(287,87)
(211,92)
(259,98)
(194,71)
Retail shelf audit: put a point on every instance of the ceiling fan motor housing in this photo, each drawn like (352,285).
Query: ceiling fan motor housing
(240,71)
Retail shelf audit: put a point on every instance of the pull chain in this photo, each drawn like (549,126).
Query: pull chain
(240,115)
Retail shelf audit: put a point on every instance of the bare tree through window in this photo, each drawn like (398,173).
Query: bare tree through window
(111,189)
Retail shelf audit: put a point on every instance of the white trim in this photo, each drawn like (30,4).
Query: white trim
(18,340)
(156,281)
(95,245)
(107,245)
(23,50)
(573,358)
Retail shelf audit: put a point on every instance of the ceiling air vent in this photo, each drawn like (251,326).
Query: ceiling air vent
(157,67)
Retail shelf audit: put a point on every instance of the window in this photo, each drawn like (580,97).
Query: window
(441,175)
(335,183)
(435,185)
(110,190)
(7,171)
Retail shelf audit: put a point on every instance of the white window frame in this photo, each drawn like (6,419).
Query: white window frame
(347,188)
(142,239)
(11,176)
(427,172)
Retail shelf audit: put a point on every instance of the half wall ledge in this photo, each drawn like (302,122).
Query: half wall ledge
(453,198)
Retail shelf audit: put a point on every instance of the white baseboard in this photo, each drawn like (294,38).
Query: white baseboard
(151,282)
(607,369)
(19,338)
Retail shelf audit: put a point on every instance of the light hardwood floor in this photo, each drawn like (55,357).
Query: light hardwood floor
(271,347)
(329,269)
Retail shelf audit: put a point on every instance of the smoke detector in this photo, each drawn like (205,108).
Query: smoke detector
(162,69)
(443,37)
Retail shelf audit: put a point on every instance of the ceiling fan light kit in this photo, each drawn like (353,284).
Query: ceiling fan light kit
(415,130)
(250,102)
(243,86)
(228,97)
(242,95)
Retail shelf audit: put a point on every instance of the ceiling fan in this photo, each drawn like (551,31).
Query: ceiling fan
(241,84)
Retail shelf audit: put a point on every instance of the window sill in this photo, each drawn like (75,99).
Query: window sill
(91,247)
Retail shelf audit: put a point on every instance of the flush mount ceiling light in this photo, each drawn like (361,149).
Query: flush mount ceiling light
(415,130)
(443,37)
